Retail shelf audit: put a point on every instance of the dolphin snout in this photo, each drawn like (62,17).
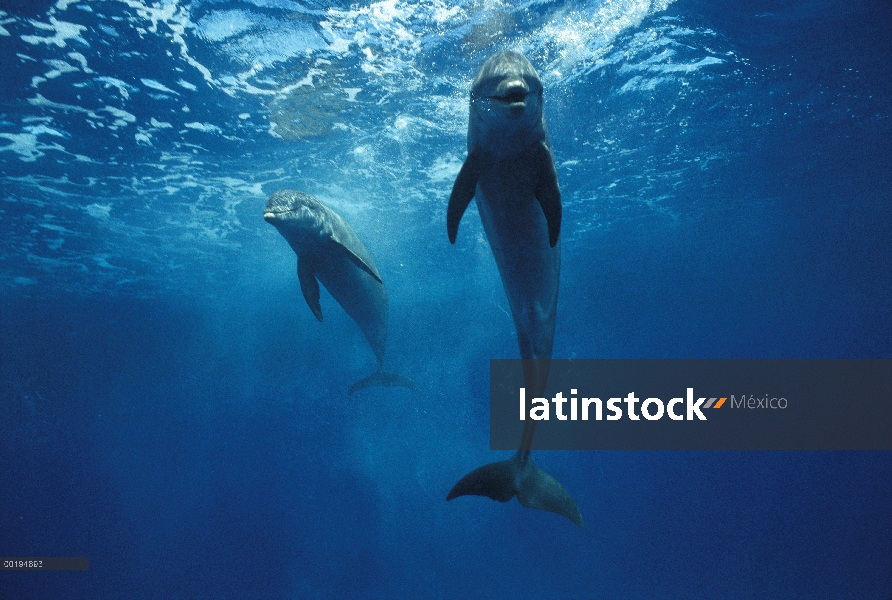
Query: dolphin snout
(269,217)
(512,92)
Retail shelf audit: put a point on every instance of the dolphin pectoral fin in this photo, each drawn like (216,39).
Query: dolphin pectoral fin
(495,480)
(384,379)
(308,285)
(548,193)
(365,265)
(463,191)
(538,489)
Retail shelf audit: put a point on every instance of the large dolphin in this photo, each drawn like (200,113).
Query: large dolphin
(329,251)
(510,172)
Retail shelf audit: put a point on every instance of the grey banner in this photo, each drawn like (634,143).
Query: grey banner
(44,563)
(697,405)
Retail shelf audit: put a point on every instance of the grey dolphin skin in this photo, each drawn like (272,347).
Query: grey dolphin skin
(329,251)
(510,172)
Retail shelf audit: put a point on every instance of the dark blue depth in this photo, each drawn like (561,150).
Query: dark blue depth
(180,418)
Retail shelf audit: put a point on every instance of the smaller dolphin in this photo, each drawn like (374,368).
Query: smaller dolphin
(329,251)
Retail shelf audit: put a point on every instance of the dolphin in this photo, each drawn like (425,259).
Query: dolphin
(510,172)
(329,251)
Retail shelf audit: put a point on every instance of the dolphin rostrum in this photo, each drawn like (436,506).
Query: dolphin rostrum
(510,172)
(329,251)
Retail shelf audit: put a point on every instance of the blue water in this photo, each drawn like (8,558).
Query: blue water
(171,409)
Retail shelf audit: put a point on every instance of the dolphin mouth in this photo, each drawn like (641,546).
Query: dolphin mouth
(512,98)
(269,216)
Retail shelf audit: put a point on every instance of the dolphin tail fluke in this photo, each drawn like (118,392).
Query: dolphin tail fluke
(495,480)
(520,477)
(385,379)
(538,489)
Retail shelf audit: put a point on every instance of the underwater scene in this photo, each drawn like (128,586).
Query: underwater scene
(255,262)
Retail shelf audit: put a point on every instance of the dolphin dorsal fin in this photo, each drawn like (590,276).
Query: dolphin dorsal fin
(347,241)
(547,191)
(463,191)
(365,264)
(308,284)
